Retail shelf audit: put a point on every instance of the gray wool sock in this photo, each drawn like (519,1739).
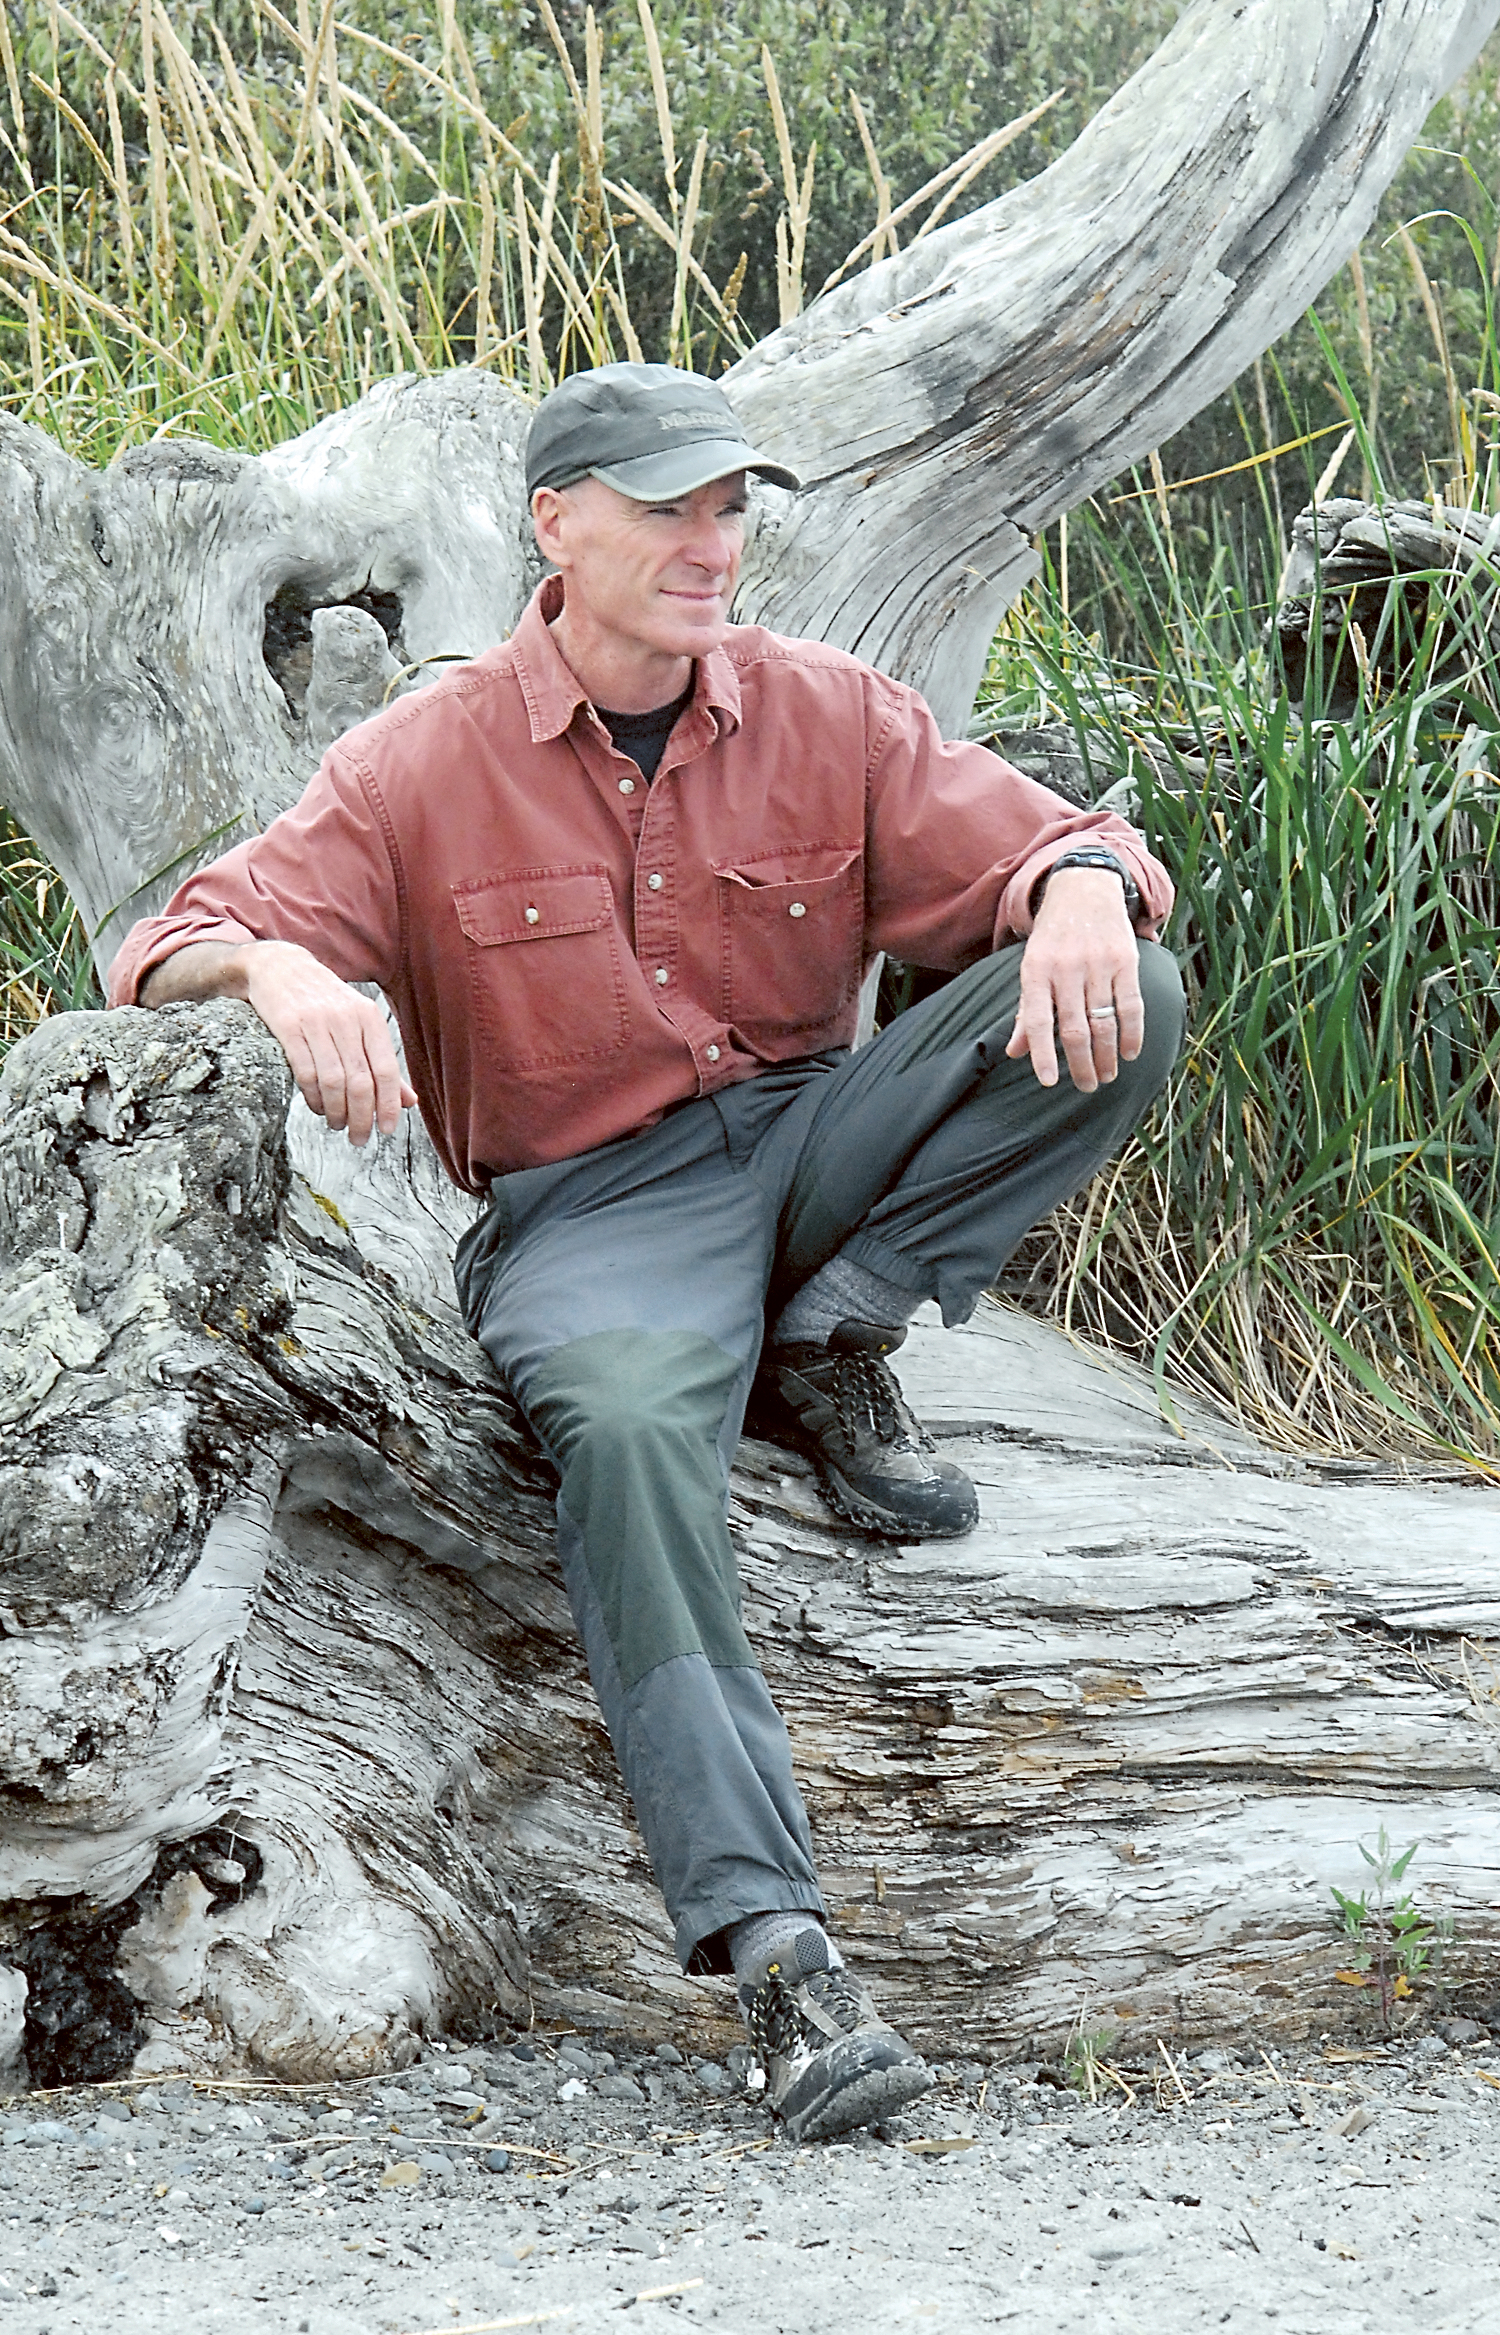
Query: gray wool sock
(760,1935)
(842,1291)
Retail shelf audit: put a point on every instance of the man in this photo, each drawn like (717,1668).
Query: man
(620,880)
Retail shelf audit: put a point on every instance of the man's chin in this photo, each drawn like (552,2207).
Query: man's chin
(695,636)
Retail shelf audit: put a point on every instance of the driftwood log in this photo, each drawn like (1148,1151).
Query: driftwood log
(1362,584)
(296,1755)
(299,1752)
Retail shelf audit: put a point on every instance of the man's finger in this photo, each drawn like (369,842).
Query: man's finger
(332,1075)
(1033,1031)
(300,1063)
(1130,1010)
(385,1072)
(1104,1039)
(1077,1034)
(390,1092)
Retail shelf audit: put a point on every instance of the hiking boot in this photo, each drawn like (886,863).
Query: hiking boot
(878,1466)
(831,2063)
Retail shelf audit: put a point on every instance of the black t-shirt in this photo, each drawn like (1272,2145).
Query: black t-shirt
(643,736)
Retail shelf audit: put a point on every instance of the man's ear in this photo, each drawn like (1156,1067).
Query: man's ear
(547,509)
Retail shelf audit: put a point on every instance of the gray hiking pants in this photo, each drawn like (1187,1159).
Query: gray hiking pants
(622,1296)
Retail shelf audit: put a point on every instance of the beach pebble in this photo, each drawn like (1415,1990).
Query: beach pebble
(496,2160)
(633,2238)
(619,2088)
(1124,2244)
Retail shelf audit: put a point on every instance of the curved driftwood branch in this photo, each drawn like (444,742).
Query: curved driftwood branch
(288,1685)
(951,402)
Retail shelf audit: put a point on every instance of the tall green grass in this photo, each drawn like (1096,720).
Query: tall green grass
(231,220)
(45,964)
(1308,1226)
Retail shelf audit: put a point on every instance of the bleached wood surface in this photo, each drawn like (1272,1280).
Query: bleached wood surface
(281,1568)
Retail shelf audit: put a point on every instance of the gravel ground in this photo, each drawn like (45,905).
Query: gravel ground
(548,2183)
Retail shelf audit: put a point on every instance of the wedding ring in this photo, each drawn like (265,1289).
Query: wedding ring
(1102,1013)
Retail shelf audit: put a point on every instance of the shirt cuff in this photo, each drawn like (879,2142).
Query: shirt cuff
(156,938)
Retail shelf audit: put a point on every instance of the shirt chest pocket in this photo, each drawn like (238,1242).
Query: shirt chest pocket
(542,952)
(791,931)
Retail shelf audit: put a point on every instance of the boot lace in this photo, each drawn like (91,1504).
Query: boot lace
(791,2015)
(865,1396)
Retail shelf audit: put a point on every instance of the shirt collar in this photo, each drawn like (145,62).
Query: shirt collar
(553,692)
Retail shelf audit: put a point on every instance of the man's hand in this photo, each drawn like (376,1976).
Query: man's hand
(337,1043)
(1079,979)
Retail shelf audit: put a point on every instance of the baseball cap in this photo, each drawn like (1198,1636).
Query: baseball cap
(650,431)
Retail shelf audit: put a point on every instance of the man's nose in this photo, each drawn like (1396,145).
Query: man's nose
(711,546)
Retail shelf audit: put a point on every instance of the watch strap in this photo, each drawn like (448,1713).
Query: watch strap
(1089,855)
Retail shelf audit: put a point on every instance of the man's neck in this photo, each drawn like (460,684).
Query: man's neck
(616,674)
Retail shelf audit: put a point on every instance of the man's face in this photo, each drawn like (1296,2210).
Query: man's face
(653,576)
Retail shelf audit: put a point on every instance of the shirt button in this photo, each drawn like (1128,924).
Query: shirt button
(662,976)
(797,909)
(627,786)
(713,1053)
(654,883)
(533,916)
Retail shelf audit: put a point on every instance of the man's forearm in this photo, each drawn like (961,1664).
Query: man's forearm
(205,968)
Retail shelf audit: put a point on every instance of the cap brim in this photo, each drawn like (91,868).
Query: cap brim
(657,478)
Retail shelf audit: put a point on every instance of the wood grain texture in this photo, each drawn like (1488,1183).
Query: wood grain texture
(281,1570)
(142,729)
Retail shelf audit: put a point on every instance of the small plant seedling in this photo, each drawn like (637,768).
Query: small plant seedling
(1083,2058)
(1392,1936)
(1353,1913)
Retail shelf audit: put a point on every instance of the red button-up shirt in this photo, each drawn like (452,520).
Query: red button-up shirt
(568,951)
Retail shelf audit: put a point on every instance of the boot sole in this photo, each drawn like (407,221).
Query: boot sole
(872,2097)
(869,1518)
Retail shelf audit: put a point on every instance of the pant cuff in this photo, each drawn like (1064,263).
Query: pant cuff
(869,1250)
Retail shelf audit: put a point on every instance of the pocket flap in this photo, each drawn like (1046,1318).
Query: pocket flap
(815,864)
(533,904)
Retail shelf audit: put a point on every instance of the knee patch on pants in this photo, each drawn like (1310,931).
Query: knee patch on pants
(633,1420)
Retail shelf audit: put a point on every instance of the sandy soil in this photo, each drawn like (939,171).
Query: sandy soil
(1343,2192)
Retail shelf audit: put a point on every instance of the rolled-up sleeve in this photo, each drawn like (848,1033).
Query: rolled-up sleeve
(958,840)
(325,874)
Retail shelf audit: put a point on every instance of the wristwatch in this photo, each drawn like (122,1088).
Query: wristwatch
(1092,855)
